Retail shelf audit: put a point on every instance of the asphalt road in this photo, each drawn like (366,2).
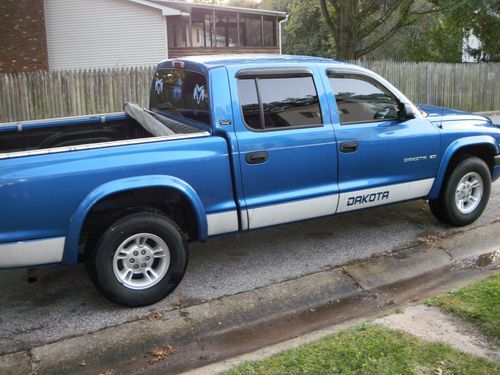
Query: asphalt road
(63,302)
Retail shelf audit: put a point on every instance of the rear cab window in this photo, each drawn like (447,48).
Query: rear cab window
(274,102)
(182,94)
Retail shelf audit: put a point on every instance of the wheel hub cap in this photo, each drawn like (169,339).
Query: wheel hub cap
(469,192)
(141,261)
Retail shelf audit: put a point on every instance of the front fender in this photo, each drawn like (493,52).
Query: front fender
(70,256)
(453,148)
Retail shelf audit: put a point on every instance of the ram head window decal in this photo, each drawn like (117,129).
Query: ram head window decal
(199,94)
(159,86)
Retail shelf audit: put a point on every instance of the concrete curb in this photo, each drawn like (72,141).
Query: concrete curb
(232,320)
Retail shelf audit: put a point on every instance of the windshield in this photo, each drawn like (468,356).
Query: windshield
(181,93)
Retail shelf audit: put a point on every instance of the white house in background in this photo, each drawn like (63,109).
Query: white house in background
(109,33)
(470,42)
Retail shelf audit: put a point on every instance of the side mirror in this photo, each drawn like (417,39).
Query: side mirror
(406,112)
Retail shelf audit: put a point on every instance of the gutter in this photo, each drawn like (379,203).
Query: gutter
(280,33)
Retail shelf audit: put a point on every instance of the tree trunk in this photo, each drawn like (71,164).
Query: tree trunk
(345,36)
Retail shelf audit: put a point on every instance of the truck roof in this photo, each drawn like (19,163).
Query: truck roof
(213,61)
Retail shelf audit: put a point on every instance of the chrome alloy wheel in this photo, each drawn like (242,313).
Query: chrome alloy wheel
(141,261)
(469,192)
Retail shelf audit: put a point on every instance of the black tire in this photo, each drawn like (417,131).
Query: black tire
(101,265)
(445,209)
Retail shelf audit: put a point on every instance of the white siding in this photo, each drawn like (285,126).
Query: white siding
(103,33)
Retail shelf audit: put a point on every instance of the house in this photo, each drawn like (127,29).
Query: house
(69,34)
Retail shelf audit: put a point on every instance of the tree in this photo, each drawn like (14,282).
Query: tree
(361,26)
(442,36)
(480,18)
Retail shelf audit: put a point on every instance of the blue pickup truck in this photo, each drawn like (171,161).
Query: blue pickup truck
(228,144)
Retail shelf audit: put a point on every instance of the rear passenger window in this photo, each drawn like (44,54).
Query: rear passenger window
(362,99)
(279,102)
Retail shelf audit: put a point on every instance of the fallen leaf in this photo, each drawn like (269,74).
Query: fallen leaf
(159,354)
(157,315)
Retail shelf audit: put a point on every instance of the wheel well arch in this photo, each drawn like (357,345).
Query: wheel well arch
(483,151)
(456,153)
(106,204)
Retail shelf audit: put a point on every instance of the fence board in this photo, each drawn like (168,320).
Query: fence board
(29,96)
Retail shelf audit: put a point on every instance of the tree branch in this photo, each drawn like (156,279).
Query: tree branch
(369,8)
(370,28)
(328,18)
(382,39)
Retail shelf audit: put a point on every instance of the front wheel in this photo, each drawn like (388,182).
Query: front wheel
(139,259)
(465,193)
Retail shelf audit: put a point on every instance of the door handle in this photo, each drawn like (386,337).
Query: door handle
(257,157)
(347,147)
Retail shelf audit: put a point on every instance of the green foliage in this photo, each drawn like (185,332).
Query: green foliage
(306,33)
(479,303)
(370,349)
(480,18)
(432,39)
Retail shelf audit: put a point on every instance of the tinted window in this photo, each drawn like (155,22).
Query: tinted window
(362,99)
(286,102)
(249,102)
(181,93)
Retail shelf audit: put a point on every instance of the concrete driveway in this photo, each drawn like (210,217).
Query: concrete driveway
(63,302)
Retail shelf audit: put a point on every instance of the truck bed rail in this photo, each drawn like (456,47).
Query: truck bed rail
(90,146)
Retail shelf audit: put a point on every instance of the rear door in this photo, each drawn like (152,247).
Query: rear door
(287,147)
(382,157)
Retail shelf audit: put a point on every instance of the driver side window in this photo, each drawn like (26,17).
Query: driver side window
(362,99)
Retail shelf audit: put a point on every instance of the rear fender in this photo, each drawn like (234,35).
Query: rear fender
(70,256)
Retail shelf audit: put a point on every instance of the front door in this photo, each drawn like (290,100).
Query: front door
(382,157)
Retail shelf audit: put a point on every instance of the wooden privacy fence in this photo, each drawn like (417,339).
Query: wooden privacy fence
(37,95)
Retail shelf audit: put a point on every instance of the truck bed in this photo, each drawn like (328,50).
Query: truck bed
(74,131)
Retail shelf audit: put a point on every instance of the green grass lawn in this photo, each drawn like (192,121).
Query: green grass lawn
(478,303)
(370,349)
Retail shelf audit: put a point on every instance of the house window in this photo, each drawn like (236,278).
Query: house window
(202,29)
(220,29)
(250,30)
(178,32)
(269,32)
(226,30)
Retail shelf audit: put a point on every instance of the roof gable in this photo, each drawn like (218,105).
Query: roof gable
(187,6)
(166,11)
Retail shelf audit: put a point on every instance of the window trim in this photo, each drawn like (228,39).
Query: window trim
(331,73)
(287,72)
(175,117)
(269,73)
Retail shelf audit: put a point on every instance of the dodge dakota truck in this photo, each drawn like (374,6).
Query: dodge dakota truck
(227,145)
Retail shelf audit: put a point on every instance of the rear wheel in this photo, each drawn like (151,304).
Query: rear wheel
(465,193)
(138,260)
